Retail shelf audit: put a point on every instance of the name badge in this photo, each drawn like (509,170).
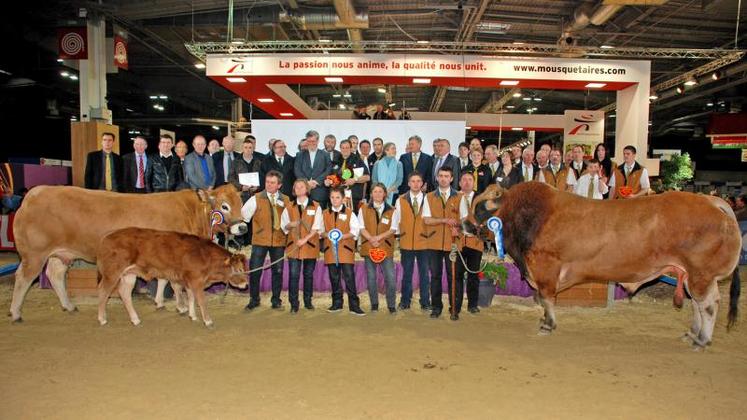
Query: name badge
(311,212)
(343,217)
(384,221)
(499,179)
(279,203)
(348,194)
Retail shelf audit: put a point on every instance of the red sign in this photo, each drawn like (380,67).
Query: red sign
(120,52)
(72,43)
(6,232)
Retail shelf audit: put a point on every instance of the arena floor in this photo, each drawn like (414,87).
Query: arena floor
(627,362)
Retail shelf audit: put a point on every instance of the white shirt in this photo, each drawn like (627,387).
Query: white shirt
(463,162)
(166,156)
(529,171)
(582,187)
(315,225)
(645,184)
(379,210)
(280,159)
(464,206)
(571,178)
(425,209)
(355,226)
(250,207)
(312,155)
(494,167)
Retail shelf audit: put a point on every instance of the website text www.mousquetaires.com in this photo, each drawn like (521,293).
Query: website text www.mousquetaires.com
(569,69)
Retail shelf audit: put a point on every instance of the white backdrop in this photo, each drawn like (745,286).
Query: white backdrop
(395,131)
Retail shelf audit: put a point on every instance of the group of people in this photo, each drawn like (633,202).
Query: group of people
(371,198)
(380,113)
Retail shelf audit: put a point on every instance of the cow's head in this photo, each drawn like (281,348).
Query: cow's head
(226,199)
(236,266)
(487,205)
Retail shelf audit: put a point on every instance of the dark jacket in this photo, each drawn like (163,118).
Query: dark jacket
(240,166)
(425,163)
(336,155)
(94,173)
(352,162)
(513,178)
(129,172)
(289,177)
(520,168)
(452,162)
(166,173)
(317,170)
(484,177)
(218,164)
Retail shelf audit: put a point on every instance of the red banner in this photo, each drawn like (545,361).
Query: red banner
(72,43)
(120,52)
(6,232)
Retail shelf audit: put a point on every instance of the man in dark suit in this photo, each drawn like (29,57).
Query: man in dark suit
(166,168)
(223,160)
(104,167)
(330,142)
(281,162)
(415,160)
(314,165)
(527,168)
(258,155)
(378,152)
(442,158)
(353,173)
(137,168)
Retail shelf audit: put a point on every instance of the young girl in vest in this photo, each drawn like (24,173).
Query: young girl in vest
(378,233)
(302,222)
(338,216)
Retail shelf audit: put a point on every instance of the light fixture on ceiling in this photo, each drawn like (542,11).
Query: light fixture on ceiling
(392,105)
(237,41)
(709,104)
(595,85)
(510,107)
(423,41)
(163,97)
(613,115)
(236,79)
(680,90)
(691,82)
(153,96)
(467,127)
(526,98)
(73,77)
(347,95)
(421,81)
(653,96)
(606,47)
(286,114)
(337,95)
(517,128)
(216,128)
(266,100)
(59,60)
(325,40)
(341,106)
(538,99)
(381,90)
(333,79)
(716,75)
(509,82)
(64,74)
(200,65)
(517,94)
(518,43)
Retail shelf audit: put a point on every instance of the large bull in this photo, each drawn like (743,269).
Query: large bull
(559,240)
(56,225)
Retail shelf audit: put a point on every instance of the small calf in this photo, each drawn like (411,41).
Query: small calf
(187,260)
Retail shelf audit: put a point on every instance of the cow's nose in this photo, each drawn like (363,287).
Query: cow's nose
(239,229)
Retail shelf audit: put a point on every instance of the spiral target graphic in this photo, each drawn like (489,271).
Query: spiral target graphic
(72,43)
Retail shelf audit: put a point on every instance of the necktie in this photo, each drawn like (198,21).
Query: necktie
(492,169)
(275,218)
(443,199)
(438,165)
(627,171)
(414,160)
(590,192)
(526,174)
(140,172)
(108,172)
(226,165)
(474,174)
(415,206)
(280,161)
(554,170)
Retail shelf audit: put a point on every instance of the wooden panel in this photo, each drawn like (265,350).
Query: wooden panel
(85,137)
(589,294)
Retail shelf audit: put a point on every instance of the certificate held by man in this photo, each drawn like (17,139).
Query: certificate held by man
(249,179)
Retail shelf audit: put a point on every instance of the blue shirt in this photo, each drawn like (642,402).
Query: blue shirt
(205,169)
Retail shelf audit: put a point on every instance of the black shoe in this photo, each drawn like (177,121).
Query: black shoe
(357,311)
(473,310)
(251,305)
(392,310)
(426,307)
(308,306)
(277,305)
(403,306)
(435,314)
(334,308)
(454,317)
(294,310)
(375,308)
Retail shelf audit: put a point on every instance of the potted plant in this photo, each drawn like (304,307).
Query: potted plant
(492,274)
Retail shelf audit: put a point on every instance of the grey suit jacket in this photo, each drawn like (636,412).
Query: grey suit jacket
(322,167)
(193,171)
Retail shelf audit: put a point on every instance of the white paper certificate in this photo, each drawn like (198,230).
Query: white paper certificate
(357,172)
(250,179)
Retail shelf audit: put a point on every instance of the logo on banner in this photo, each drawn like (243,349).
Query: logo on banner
(120,52)
(72,43)
(583,128)
(586,120)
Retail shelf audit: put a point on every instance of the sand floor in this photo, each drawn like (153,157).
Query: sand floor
(627,362)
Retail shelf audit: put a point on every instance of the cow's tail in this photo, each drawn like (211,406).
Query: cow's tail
(734,292)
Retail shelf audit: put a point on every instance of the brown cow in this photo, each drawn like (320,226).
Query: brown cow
(628,241)
(188,260)
(57,225)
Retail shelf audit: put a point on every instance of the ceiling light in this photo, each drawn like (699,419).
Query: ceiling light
(156,106)
(324,40)
(510,107)
(128,110)
(518,43)
(266,100)
(467,127)
(538,99)
(236,79)
(215,127)
(392,105)
(509,82)
(163,97)
(517,129)
(421,81)
(200,65)
(347,95)
(333,79)
(526,98)
(595,85)
(153,96)
(286,114)
(606,47)
(517,95)
(716,75)
(653,96)
(680,89)
(237,42)
(381,90)
(691,82)
(342,106)
(73,77)
(423,41)
(59,60)
(64,74)
(337,95)
(709,104)
(613,115)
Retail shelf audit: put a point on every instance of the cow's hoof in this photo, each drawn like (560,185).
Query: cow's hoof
(135,322)
(209,325)
(193,318)
(160,308)
(103,322)
(545,330)
(70,310)
(16,320)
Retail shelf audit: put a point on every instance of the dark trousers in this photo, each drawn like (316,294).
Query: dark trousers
(295,266)
(257,259)
(346,271)
(472,257)
(408,263)
(437,260)
(139,191)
